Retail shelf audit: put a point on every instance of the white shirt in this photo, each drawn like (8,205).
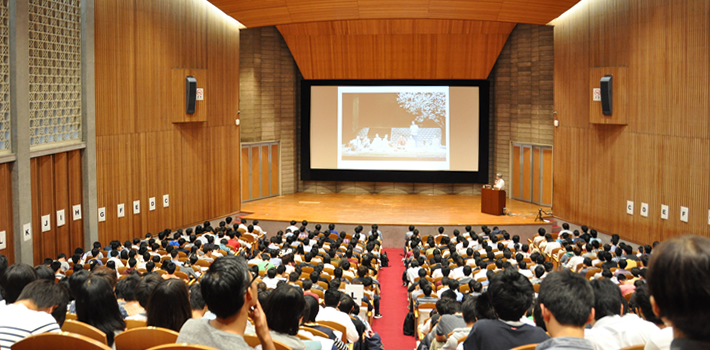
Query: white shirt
(500,184)
(573,262)
(335,315)
(616,332)
(117,261)
(661,340)
(17,322)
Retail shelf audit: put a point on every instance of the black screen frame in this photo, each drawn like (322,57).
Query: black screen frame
(424,176)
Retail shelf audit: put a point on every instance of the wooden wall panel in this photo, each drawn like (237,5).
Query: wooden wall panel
(6,223)
(141,154)
(56,185)
(396,49)
(661,156)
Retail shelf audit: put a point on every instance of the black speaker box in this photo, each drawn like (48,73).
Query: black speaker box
(190,93)
(606,94)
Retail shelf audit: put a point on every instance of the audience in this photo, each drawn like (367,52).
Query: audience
(169,305)
(227,301)
(230,293)
(31,312)
(679,282)
(96,305)
(284,308)
(609,329)
(566,303)
(511,295)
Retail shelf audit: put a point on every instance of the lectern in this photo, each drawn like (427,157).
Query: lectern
(492,201)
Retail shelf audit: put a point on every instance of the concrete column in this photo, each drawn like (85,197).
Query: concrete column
(88,125)
(20,121)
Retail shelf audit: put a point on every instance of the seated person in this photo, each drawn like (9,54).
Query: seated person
(331,313)
(283,309)
(32,312)
(609,329)
(678,298)
(309,321)
(511,295)
(468,310)
(230,293)
(566,306)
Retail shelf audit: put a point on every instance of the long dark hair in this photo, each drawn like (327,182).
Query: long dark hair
(169,305)
(284,308)
(96,305)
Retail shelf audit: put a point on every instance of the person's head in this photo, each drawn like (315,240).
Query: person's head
(511,294)
(678,278)
(107,273)
(227,287)
(311,304)
(96,305)
(426,289)
(169,305)
(566,299)
(45,272)
(15,278)
(607,298)
(347,304)
(641,299)
(284,308)
(144,288)
(331,297)
(468,309)
(47,296)
(125,287)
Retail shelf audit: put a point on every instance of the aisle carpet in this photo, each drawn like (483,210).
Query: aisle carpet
(393,306)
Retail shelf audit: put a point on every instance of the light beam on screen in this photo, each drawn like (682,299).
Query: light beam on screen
(406,128)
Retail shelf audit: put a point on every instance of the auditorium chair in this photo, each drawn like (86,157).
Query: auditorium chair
(336,327)
(62,340)
(253,341)
(182,346)
(130,324)
(87,330)
(525,347)
(314,331)
(634,347)
(144,337)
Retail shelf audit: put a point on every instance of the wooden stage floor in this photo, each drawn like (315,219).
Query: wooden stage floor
(400,209)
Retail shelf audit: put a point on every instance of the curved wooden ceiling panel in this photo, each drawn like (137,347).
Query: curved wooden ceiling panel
(396,49)
(259,13)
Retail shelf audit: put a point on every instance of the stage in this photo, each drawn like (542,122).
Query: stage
(393,213)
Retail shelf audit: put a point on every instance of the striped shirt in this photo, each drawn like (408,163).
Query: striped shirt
(18,322)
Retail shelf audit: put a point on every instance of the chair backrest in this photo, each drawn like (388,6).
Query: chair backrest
(634,347)
(61,340)
(536,287)
(182,346)
(145,337)
(130,324)
(253,341)
(336,326)
(87,330)
(70,316)
(315,332)
(525,347)
(591,272)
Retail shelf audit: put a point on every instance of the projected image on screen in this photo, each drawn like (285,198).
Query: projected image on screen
(393,127)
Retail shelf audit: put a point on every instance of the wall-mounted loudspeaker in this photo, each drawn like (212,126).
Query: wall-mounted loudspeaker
(190,93)
(606,94)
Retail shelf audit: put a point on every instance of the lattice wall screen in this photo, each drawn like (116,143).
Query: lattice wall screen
(4,78)
(55,72)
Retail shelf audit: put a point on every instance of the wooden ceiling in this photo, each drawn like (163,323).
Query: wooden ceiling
(260,13)
(396,49)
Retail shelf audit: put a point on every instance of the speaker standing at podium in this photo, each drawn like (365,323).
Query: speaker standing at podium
(500,183)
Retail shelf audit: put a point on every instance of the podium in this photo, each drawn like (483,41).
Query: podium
(492,201)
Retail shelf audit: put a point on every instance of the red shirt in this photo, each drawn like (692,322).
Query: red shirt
(233,243)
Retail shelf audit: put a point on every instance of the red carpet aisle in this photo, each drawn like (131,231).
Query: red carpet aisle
(393,306)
